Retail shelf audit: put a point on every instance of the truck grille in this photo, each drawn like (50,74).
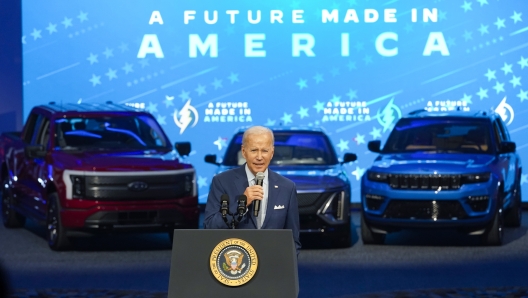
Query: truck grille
(424,182)
(140,187)
(424,209)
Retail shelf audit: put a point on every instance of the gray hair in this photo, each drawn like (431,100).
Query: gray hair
(257,130)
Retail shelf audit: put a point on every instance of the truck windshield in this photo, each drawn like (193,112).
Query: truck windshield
(291,148)
(116,132)
(439,136)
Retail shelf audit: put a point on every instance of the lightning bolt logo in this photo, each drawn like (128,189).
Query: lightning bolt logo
(501,110)
(187,113)
(386,117)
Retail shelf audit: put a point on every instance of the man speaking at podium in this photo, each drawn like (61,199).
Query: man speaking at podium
(271,198)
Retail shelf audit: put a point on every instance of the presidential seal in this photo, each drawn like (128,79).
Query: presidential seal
(233,262)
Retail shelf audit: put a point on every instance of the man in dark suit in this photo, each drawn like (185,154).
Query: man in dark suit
(278,195)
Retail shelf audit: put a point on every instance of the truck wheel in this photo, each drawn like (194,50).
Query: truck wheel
(494,234)
(10,217)
(56,234)
(368,236)
(513,217)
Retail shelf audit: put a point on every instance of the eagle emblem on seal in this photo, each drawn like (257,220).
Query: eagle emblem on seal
(234,262)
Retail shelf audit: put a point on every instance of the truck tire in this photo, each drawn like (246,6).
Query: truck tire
(368,236)
(513,216)
(494,234)
(10,217)
(55,232)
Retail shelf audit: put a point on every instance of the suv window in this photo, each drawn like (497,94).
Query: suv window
(439,135)
(291,148)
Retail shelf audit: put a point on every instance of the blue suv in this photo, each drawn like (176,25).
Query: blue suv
(443,170)
(307,157)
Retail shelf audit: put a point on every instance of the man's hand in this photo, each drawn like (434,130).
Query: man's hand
(255,192)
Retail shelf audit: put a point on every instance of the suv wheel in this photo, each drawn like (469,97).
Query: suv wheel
(56,234)
(10,217)
(368,236)
(493,236)
(513,216)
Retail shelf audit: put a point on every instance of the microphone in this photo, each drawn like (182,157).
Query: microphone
(241,208)
(224,205)
(259,181)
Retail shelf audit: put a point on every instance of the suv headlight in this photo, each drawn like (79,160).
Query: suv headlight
(475,178)
(378,177)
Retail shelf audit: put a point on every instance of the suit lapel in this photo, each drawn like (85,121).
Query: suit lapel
(273,195)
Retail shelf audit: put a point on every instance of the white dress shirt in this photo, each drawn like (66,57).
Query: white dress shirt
(264,202)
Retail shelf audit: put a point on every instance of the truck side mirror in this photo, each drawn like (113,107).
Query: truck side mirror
(183,148)
(211,158)
(374,146)
(507,147)
(34,151)
(349,157)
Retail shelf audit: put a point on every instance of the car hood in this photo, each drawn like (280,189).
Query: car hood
(430,163)
(118,161)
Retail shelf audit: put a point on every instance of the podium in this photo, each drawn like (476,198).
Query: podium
(233,263)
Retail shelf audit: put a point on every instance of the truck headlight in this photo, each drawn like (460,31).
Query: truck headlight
(78,186)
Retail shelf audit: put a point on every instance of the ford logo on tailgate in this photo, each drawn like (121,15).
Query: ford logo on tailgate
(137,186)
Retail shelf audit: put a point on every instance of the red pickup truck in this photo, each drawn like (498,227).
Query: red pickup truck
(78,168)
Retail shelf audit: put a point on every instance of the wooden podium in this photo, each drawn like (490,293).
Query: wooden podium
(233,263)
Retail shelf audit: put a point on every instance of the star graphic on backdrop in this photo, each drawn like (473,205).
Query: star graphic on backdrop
(152,107)
(507,68)
(500,23)
(334,71)
(303,112)
(67,22)
(335,98)
(358,172)
(202,181)
(302,84)
(524,178)
(467,35)
(408,28)
(221,143)
(200,89)
(523,95)
(490,75)
(24,39)
(168,101)
(36,34)
(351,65)
(83,16)
(466,6)
(108,53)
(483,29)
(127,68)
(233,77)
(217,83)
(523,62)
(359,46)
(498,87)
(184,95)
(51,28)
(483,93)
(442,15)
(123,47)
(367,59)
(516,81)
(111,74)
(270,122)
(482,2)
(92,59)
(516,17)
(319,106)
(161,120)
(359,139)
(144,62)
(375,133)
(95,80)
(352,94)
(343,145)
(467,98)
(318,78)
(451,41)
(287,118)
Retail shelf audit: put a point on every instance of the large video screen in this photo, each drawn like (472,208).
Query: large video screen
(205,68)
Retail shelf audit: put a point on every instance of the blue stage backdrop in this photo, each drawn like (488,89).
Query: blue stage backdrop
(204,68)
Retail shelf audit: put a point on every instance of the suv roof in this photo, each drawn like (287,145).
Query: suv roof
(423,113)
(87,107)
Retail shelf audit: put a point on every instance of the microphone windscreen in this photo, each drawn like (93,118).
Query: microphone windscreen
(259,178)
